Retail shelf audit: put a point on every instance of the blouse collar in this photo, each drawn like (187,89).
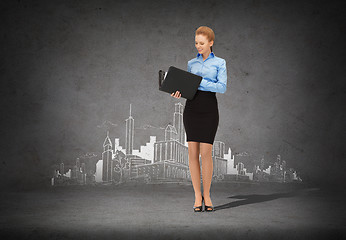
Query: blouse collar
(210,55)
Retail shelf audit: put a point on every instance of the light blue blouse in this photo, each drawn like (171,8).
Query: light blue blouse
(212,70)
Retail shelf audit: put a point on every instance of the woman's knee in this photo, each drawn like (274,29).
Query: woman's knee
(206,150)
(194,149)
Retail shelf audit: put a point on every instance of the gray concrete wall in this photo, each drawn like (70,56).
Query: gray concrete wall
(67,67)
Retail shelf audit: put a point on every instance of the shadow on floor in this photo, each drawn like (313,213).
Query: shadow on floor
(257,198)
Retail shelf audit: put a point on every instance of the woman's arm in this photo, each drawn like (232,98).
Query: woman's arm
(221,77)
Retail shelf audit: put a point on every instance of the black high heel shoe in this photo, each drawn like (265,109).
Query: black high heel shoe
(209,208)
(199,208)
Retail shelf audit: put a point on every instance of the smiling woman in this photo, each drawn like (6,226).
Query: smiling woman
(201,114)
(206,33)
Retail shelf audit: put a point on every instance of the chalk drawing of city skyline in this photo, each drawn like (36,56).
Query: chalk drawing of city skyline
(163,162)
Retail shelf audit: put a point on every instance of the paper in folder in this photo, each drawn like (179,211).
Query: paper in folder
(179,80)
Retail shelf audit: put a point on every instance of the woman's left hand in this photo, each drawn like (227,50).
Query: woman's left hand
(176,95)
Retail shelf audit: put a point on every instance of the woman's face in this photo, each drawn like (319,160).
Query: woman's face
(202,44)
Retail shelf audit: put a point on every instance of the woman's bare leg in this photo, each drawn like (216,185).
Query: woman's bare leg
(207,170)
(195,171)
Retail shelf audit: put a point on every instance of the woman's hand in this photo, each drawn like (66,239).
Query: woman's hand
(176,95)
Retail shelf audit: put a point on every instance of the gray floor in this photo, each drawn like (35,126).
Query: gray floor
(154,211)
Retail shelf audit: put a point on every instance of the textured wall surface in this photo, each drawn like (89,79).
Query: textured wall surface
(70,70)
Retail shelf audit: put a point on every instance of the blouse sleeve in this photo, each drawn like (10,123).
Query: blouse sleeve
(188,67)
(221,77)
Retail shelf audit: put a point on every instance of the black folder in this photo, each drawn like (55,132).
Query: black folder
(179,80)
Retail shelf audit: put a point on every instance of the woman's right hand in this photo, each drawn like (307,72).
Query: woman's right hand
(177,94)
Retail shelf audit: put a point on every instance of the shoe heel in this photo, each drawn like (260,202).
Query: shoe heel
(202,203)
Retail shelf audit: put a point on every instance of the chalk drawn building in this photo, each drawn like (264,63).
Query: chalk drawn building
(170,155)
(163,161)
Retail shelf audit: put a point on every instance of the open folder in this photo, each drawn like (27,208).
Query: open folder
(179,80)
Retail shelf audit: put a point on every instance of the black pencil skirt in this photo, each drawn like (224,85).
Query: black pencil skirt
(201,117)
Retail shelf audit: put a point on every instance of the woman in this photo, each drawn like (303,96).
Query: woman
(201,114)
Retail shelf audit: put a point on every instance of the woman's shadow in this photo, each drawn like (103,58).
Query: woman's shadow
(257,198)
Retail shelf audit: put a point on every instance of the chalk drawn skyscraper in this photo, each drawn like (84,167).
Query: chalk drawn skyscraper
(129,134)
(107,156)
(178,122)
